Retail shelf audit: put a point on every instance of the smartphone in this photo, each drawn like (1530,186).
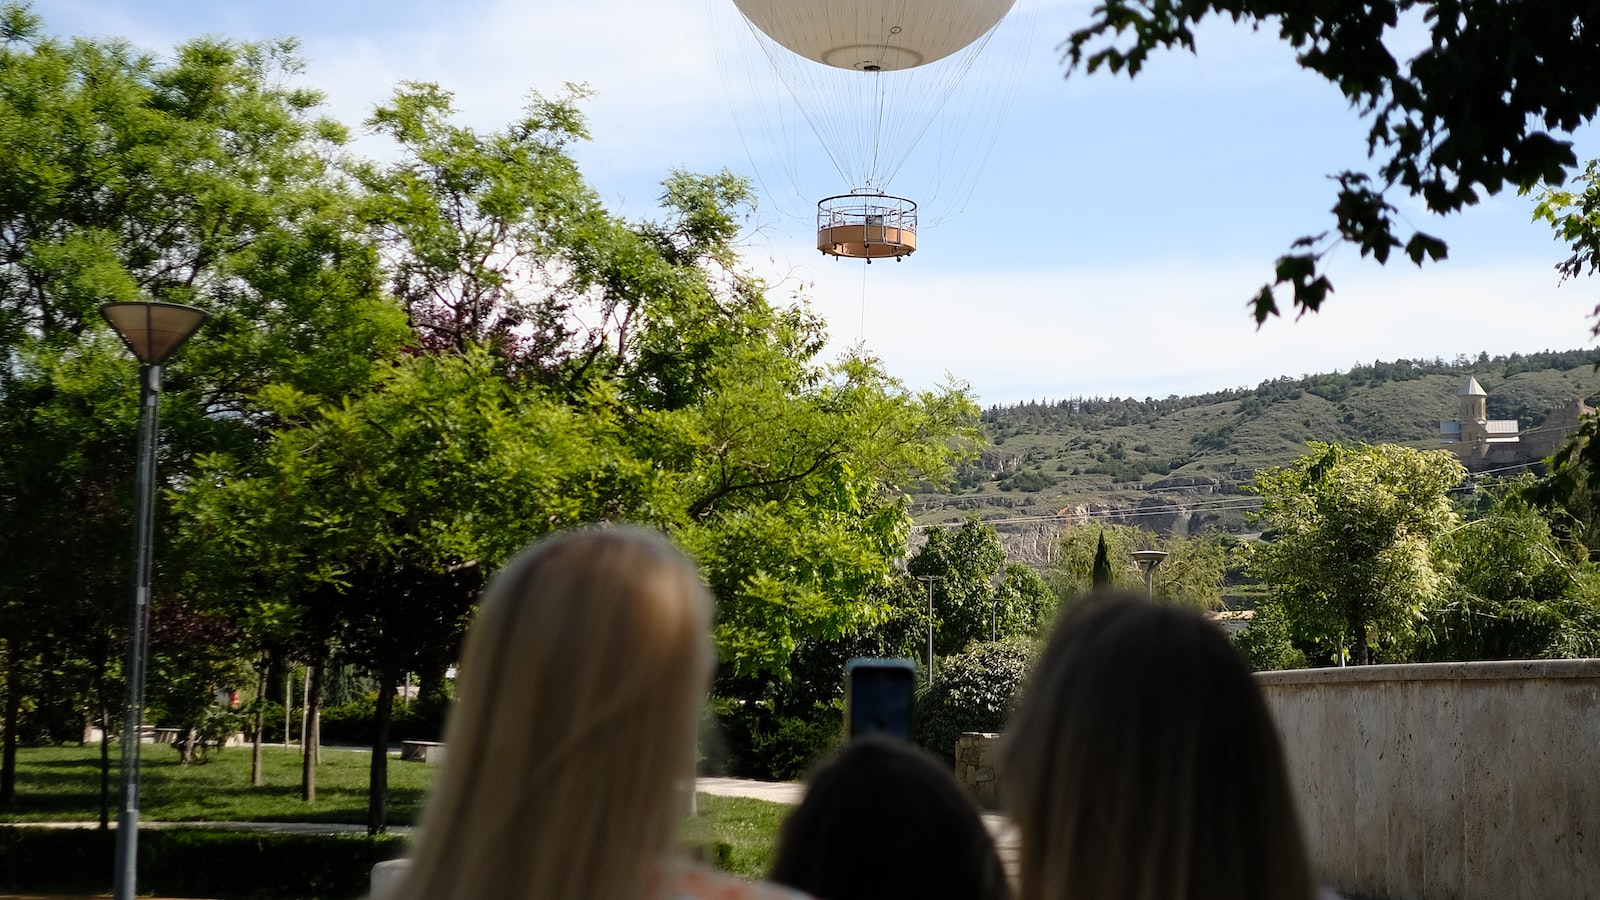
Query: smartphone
(878,697)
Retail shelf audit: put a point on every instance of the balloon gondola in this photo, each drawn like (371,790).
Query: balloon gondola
(870,78)
(869,226)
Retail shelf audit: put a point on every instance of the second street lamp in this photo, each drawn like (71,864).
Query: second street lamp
(929,580)
(153,331)
(1148,560)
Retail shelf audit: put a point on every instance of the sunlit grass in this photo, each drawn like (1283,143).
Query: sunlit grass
(62,784)
(749,827)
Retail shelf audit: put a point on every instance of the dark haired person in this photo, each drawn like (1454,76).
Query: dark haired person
(1143,763)
(883,820)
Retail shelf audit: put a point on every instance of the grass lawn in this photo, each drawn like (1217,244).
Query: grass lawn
(62,784)
(749,827)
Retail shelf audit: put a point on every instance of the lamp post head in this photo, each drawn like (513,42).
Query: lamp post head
(153,331)
(1149,559)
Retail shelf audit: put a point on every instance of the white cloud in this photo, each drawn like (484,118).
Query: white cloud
(1172,327)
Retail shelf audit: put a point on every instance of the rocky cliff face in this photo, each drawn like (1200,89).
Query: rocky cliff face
(1159,514)
(1036,542)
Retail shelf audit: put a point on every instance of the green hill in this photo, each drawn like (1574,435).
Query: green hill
(1178,463)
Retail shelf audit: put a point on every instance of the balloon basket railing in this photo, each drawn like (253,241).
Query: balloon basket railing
(867,226)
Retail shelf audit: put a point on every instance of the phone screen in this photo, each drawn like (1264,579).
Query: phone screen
(879,697)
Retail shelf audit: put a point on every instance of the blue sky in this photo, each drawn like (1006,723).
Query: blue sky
(1109,245)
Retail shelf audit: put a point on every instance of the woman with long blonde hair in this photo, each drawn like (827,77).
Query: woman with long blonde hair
(573,738)
(1143,765)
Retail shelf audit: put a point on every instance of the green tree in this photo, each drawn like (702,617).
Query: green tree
(1100,572)
(692,405)
(1573,484)
(1575,217)
(1517,594)
(779,472)
(1267,642)
(789,496)
(481,232)
(1351,557)
(1193,572)
(967,562)
(1026,606)
(380,514)
(1470,114)
(66,418)
(793,501)
(193,655)
(561,366)
(200,179)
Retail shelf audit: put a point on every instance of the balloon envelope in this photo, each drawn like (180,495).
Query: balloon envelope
(874,35)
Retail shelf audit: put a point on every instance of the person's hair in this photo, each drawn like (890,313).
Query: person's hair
(1143,764)
(884,820)
(573,737)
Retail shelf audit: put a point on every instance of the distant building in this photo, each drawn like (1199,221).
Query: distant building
(1485,443)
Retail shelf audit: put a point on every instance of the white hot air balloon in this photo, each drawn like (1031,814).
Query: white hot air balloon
(870,78)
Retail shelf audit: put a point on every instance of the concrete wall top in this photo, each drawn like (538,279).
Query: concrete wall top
(1449,671)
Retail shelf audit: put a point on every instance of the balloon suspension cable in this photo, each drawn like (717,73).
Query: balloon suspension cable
(862,335)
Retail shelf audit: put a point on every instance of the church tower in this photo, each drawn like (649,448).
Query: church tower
(1474,414)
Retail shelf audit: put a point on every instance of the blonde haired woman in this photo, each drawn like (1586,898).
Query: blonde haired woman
(581,686)
(1143,765)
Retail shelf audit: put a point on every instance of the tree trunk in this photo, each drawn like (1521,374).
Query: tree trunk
(8,754)
(316,719)
(288,694)
(308,758)
(257,778)
(105,747)
(378,780)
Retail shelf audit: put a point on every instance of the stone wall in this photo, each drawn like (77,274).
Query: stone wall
(977,755)
(1453,780)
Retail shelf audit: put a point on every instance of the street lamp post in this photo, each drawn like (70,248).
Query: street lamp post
(929,580)
(994,608)
(1148,560)
(153,331)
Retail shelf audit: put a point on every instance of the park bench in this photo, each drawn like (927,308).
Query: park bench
(431,752)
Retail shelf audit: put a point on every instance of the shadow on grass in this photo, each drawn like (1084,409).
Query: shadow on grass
(74,763)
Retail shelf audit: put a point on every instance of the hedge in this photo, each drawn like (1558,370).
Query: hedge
(196,862)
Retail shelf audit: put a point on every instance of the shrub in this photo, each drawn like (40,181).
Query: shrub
(751,740)
(1029,481)
(354,723)
(974,690)
(196,862)
(1265,643)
